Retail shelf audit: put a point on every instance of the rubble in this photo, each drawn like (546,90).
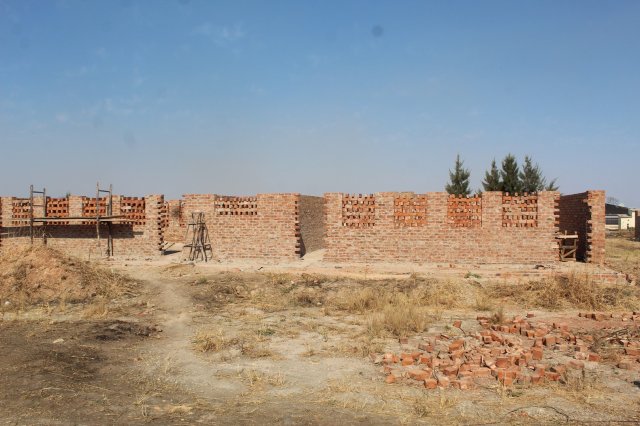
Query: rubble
(520,351)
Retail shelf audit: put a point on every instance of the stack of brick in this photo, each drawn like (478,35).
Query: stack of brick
(584,214)
(264,226)
(436,227)
(522,351)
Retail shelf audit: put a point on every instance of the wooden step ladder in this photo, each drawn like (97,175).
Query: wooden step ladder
(197,239)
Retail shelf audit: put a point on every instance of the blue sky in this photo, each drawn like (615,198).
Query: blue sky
(241,97)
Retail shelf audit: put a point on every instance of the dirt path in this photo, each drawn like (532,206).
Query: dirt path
(172,356)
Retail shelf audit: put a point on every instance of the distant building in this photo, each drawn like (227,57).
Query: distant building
(620,217)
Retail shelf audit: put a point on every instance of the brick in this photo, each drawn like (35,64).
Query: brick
(443,382)
(456,345)
(503,362)
(430,383)
(536,354)
(576,364)
(419,375)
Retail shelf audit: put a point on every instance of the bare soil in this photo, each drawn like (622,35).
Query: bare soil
(180,343)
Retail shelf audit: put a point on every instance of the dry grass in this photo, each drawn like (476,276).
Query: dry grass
(623,254)
(211,341)
(574,291)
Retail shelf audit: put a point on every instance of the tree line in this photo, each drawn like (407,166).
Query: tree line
(509,178)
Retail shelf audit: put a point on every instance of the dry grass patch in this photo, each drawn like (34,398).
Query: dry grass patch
(212,341)
(623,254)
(574,291)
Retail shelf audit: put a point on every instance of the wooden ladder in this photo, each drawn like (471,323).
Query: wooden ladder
(198,235)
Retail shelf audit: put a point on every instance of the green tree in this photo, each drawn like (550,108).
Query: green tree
(458,179)
(531,178)
(492,178)
(552,186)
(510,175)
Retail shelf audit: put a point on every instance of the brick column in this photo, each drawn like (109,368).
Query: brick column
(116,205)
(153,225)
(492,210)
(333,224)
(596,227)
(75,206)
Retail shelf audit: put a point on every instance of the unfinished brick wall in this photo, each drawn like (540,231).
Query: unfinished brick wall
(264,226)
(139,233)
(435,227)
(584,214)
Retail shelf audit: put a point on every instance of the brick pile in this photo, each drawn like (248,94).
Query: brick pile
(522,351)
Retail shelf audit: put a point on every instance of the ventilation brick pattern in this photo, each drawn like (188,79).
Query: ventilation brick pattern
(58,207)
(464,212)
(358,211)
(520,211)
(20,210)
(236,206)
(133,210)
(410,210)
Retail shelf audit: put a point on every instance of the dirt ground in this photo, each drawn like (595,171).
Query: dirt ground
(186,343)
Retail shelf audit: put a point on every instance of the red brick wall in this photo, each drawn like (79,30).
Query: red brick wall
(435,227)
(261,227)
(141,237)
(584,214)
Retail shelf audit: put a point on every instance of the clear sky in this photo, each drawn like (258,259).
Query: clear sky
(240,97)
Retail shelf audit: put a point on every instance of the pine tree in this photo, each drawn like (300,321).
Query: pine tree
(531,179)
(551,186)
(459,179)
(510,175)
(492,178)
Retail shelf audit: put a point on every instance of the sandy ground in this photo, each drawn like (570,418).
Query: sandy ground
(205,344)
